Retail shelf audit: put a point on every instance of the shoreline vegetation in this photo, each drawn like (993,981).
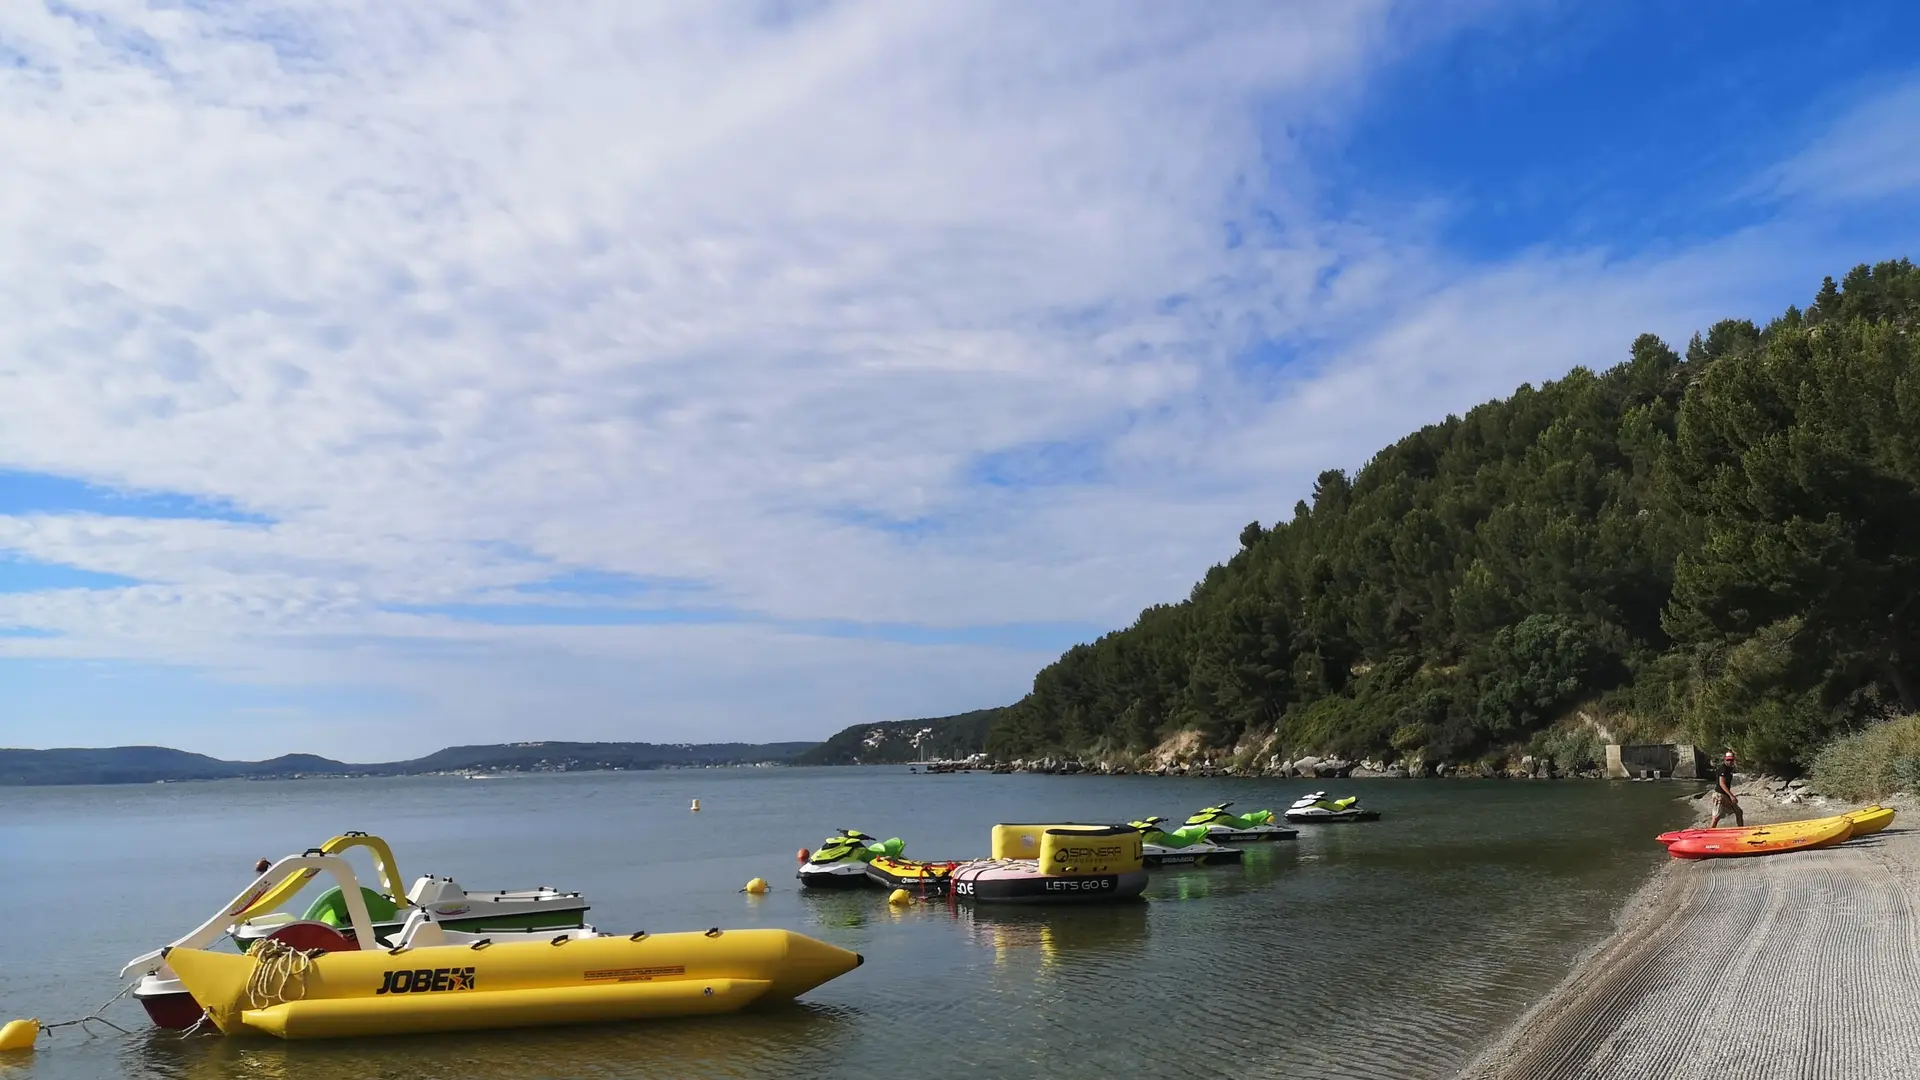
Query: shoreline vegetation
(1785,966)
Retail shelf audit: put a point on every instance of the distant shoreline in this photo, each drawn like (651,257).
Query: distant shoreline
(112,766)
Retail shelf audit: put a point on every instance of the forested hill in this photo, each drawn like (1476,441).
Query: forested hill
(896,741)
(1725,543)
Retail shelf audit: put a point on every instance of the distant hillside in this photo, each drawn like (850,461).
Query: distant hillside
(575,756)
(895,741)
(152,764)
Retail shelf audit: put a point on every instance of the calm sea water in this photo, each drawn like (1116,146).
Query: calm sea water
(1390,949)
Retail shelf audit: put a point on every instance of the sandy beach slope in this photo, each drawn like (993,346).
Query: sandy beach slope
(1804,966)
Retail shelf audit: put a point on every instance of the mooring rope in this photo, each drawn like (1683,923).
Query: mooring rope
(279,975)
(93,1017)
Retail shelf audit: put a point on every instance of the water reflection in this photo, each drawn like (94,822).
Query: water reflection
(717,1046)
(1258,868)
(1056,933)
(846,909)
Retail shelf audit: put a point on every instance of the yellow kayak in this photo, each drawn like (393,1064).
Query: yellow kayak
(569,980)
(1870,819)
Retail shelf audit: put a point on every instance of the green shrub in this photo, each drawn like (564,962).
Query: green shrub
(1869,764)
(1573,747)
(1534,668)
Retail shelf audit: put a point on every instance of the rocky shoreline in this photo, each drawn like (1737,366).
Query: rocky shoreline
(1527,767)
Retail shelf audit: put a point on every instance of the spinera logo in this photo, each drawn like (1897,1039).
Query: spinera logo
(1067,854)
(425,981)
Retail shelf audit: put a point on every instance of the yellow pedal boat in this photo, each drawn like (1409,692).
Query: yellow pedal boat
(567,979)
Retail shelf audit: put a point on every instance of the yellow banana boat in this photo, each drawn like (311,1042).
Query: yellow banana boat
(568,980)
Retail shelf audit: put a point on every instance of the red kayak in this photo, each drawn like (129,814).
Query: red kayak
(1762,841)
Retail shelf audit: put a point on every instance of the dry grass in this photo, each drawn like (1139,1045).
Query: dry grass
(1879,761)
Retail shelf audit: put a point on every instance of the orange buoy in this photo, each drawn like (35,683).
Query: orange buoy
(803,855)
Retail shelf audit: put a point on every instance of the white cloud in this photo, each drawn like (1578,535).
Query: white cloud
(458,294)
(1871,150)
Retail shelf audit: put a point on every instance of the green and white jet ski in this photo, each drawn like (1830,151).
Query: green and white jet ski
(1317,808)
(1225,828)
(841,861)
(1181,847)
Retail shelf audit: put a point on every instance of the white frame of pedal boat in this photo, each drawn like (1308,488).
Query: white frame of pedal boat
(384,865)
(281,880)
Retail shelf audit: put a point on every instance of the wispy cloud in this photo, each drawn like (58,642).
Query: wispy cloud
(1871,151)
(718,367)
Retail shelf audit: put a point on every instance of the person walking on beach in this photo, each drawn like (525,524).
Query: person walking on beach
(1724,800)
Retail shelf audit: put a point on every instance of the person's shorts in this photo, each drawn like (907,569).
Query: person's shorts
(1723,801)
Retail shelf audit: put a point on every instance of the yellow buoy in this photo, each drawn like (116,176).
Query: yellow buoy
(756,887)
(19,1034)
(899,896)
(696,806)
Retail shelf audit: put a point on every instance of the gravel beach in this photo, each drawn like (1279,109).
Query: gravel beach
(1803,965)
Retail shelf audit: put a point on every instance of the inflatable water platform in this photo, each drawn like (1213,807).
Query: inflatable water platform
(1070,863)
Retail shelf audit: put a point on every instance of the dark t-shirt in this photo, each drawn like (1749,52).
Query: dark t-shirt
(1726,776)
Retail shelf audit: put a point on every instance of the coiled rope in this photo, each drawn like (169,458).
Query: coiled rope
(280,974)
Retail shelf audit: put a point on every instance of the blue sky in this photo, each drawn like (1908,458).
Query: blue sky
(384,378)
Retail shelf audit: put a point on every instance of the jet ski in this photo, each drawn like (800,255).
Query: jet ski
(841,861)
(1225,828)
(1317,808)
(1181,847)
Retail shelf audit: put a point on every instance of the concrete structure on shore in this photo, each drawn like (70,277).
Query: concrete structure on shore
(1656,761)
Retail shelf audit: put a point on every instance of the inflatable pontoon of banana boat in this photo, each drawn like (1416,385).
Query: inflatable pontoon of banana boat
(568,979)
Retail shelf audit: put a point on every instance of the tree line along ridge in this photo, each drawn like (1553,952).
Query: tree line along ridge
(1723,544)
